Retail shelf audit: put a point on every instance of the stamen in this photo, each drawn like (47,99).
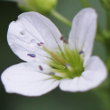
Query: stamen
(40,44)
(32,55)
(55,56)
(67,65)
(81,52)
(64,64)
(52,73)
(22,33)
(62,38)
(40,67)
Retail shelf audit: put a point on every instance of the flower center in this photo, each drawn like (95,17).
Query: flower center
(65,63)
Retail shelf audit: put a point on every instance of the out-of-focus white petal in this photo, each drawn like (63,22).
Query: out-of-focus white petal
(94,74)
(24,79)
(83,31)
(30,32)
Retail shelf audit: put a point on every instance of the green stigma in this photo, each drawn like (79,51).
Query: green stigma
(67,63)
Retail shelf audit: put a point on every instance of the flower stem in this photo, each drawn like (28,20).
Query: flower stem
(104,96)
(58,16)
(85,3)
(108,20)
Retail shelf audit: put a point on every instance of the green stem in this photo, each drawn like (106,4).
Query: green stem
(105,100)
(100,36)
(60,17)
(108,20)
(103,93)
(85,3)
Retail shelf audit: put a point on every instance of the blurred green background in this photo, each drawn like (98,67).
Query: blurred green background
(55,100)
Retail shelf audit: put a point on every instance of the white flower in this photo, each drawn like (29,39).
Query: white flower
(49,61)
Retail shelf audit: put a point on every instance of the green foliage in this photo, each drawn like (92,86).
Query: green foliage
(106,4)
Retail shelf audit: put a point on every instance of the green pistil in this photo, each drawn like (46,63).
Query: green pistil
(67,63)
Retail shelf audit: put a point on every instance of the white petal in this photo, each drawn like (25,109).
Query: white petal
(26,80)
(77,84)
(98,68)
(95,73)
(31,30)
(83,31)
(69,85)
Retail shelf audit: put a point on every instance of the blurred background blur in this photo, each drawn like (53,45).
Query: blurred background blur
(55,100)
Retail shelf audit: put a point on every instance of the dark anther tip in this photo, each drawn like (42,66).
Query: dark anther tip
(40,67)
(32,55)
(81,52)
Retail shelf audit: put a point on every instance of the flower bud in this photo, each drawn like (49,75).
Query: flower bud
(42,6)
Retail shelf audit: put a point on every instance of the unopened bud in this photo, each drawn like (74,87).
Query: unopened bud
(42,6)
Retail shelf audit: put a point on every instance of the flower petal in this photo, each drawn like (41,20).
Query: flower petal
(94,74)
(83,31)
(24,79)
(69,85)
(30,32)
(95,64)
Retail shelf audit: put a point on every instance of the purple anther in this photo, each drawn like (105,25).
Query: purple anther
(31,55)
(61,38)
(40,44)
(67,65)
(81,52)
(52,73)
(40,67)
(22,33)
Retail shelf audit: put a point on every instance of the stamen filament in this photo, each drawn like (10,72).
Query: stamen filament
(54,56)
(66,63)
